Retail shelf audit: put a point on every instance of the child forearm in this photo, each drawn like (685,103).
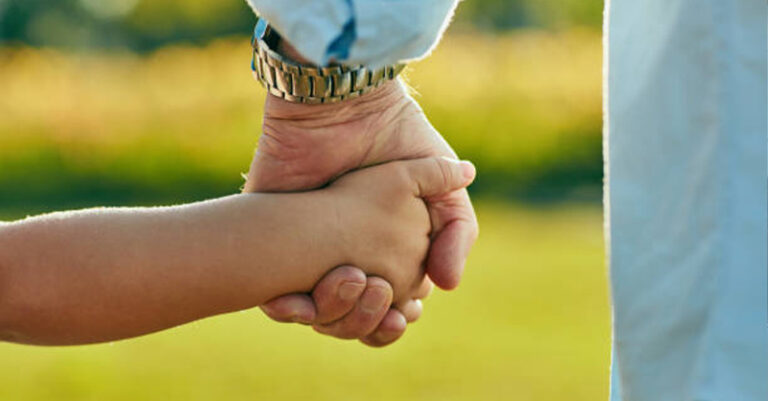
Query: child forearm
(107,274)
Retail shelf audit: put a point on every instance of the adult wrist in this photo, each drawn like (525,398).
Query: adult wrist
(386,96)
(275,67)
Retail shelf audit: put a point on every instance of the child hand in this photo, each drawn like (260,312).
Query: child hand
(112,273)
(382,221)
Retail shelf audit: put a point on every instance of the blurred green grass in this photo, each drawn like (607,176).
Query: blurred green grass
(529,322)
(181,123)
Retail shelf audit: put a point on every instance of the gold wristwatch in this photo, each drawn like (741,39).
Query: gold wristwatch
(298,83)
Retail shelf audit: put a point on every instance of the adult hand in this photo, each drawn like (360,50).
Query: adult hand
(306,146)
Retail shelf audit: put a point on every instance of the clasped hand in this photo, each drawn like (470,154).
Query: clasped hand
(305,147)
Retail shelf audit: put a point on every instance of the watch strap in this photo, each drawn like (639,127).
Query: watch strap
(299,83)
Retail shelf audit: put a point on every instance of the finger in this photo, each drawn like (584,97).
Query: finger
(297,308)
(448,253)
(392,327)
(337,293)
(411,310)
(454,230)
(425,289)
(367,314)
(439,175)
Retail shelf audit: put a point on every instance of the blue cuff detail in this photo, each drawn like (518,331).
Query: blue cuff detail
(258,31)
(338,50)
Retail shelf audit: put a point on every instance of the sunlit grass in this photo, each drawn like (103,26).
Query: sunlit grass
(529,322)
(525,107)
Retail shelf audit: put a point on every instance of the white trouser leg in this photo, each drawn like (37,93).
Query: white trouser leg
(686,143)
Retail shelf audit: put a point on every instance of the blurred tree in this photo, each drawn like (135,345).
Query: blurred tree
(566,13)
(137,24)
(147,24)
(551,14)
(494,14)
(161,21)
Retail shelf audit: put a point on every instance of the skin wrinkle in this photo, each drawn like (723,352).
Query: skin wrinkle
(384,125)
(349,110)
(328,120)
(335,307)
(359,324)
(281,152)
(392,118)
(293,126)
(291,175)
(289,145)
(411,110)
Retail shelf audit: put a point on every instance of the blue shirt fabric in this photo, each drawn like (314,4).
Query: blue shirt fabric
(368,32)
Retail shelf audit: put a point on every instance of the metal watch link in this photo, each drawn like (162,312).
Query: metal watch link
(298,83)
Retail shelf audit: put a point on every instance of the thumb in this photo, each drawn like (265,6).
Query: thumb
(439,175)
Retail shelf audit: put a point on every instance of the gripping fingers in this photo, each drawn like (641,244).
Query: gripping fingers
(411,310)
(425,289)
(292,308)
(367,314)
(455,229)
(337,293)
(391,328)
(448,254)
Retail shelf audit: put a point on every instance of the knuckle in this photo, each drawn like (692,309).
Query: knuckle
(445,172)
(331,330)
(474,231)
(378,340)
(402,175)
(339,330)
(347,274)
(354,328)
(379,283)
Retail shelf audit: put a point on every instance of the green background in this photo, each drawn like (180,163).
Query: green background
(144,102)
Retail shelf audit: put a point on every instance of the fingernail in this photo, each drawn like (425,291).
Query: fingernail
(303,318)
(373,301)
(349,291)
(381,337)
(468,169)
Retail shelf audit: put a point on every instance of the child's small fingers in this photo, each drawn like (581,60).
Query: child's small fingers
(292,308)
(337,293)
(367,314)
(391,328)
(411,310)
(425,289)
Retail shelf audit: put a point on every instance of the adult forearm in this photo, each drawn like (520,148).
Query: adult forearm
(101,275)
